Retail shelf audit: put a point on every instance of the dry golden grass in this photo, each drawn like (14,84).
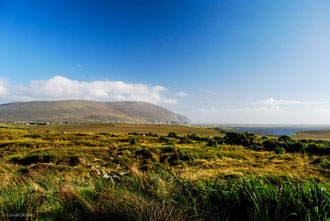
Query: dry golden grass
(117,128)
(209,162)
(86,173)
(317,135)
(259,163)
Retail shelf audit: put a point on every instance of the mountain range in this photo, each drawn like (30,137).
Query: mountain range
(89,111)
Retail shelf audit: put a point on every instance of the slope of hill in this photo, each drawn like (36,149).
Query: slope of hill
(84,111)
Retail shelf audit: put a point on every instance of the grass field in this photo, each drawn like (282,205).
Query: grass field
(161,129)
(151,172)
(320,135)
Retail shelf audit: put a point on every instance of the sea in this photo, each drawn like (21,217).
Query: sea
(276,130)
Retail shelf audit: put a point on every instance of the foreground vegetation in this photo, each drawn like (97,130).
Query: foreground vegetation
(51,175)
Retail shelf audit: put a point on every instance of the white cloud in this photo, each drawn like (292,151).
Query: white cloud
(272,105)
(272,101)
(61,88)
(182,94)
(211,110)
(270,109)
(3,87)
(322,110)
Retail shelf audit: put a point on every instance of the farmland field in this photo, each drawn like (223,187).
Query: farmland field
(159,172)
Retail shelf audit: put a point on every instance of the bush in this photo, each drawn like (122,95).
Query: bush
(239,138)
(195,137)
(172,135)
(134,141)
(279,150)
(185,140)
(289,146)
(212,143)
(286,138)
(162,138)
(218,139)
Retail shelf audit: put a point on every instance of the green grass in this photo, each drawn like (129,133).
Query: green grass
(53,175)
(162,129)
(163,195)
(320,135)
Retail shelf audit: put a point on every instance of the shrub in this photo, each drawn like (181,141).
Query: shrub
(212,143)
(134,141)
(163,138)
(239,138)
(185,140)
(279,150)
(168,149)
(218,139)
(172,135)
(285,138)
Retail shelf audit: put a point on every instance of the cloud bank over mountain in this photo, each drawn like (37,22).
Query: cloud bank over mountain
(62,88)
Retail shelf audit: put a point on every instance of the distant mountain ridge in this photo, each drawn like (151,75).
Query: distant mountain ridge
(86,111)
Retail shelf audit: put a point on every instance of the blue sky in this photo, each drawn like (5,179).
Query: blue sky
(214,61)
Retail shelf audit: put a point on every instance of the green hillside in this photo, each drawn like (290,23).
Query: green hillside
(86,111)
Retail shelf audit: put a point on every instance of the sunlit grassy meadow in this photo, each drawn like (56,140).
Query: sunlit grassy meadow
(150,172)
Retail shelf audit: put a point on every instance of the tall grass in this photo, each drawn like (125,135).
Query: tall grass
(20,200)
(164,196)
(65,176)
